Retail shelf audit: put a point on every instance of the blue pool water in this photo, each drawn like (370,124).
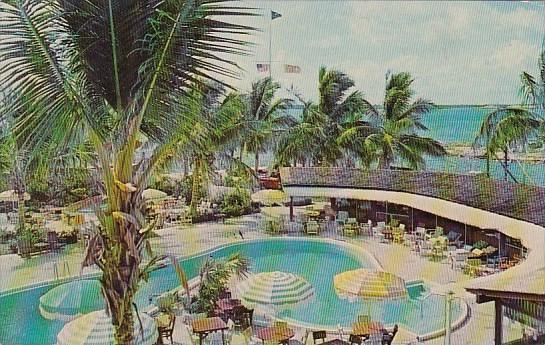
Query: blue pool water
(316,261)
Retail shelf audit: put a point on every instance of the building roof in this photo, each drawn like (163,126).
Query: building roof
(529,286)
(519,201)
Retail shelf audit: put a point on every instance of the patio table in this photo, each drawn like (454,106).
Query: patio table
(364,329)
(275,334)
(203,327)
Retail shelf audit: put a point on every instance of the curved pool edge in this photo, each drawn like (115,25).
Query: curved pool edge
(166,262)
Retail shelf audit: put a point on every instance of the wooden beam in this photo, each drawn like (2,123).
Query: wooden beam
(291,209)
(498,323)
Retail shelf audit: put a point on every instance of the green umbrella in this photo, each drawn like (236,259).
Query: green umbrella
(68,301)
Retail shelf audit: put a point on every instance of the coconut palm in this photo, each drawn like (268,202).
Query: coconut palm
(316,135)
(392,133)
(109,72)
(218,126)
(503,129)
(266,114)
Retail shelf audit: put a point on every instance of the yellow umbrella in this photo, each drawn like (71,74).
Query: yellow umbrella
(269,197)
(367,284)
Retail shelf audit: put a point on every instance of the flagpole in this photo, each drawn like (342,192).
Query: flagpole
(270,44)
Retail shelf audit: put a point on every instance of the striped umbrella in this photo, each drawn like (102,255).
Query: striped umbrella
(370,285)
(68,301)
(96,329)
(277,290)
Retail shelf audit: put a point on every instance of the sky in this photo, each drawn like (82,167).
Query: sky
(457,52)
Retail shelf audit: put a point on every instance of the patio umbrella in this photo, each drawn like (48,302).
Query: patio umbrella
(369,285)
(96,329)
(153,194)
(71,300)
(276,290)
(11,196)
(269,197)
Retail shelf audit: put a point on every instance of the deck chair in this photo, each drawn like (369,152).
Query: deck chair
(342,217)
(438,231)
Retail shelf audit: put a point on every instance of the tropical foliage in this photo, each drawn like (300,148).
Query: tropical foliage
(393,133)
(266,117)
(314,140)
(343,125)
(214,276)
(108,73)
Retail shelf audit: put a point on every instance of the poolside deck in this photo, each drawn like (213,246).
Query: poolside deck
(394,258)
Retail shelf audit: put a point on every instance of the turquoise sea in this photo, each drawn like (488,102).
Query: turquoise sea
(458,124)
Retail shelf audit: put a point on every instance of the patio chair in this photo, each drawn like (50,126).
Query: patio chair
(350,229)
(193,338)
(312,227)
(397,236)
(166,332)
(374,339)
(319,335)
(388,337)
(342,217)
(364,318)
(454,238)
(473,267)
(247,335)
(355,340)
(438,231)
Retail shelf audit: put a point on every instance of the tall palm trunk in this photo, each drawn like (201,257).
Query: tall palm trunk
(195,189)
(256,166)
(119,293)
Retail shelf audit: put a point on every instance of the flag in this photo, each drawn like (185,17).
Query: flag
(292,69)
(263,67)
(275,15)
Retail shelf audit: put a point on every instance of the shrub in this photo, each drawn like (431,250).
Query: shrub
(236,203)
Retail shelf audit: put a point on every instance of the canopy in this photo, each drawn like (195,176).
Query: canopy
(151,194)
(11,196)
(368,284)
(68,301)
(277,290)
(96,329)
(269,197)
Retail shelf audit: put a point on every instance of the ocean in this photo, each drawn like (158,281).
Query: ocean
(459,124)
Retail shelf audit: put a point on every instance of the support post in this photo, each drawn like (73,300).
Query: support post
(498,327)
(291,209)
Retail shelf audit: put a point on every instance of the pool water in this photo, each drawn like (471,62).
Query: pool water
(317,261)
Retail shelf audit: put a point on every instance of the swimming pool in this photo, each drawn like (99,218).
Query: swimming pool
(316,260)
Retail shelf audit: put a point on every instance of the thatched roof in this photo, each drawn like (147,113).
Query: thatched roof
(519,201)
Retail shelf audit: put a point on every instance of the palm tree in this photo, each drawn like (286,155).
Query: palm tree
(266,115)
(323,122)
(218,126)
(109,72)
(392,133)
(501,130)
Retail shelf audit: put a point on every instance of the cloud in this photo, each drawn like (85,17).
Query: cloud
(458,52)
